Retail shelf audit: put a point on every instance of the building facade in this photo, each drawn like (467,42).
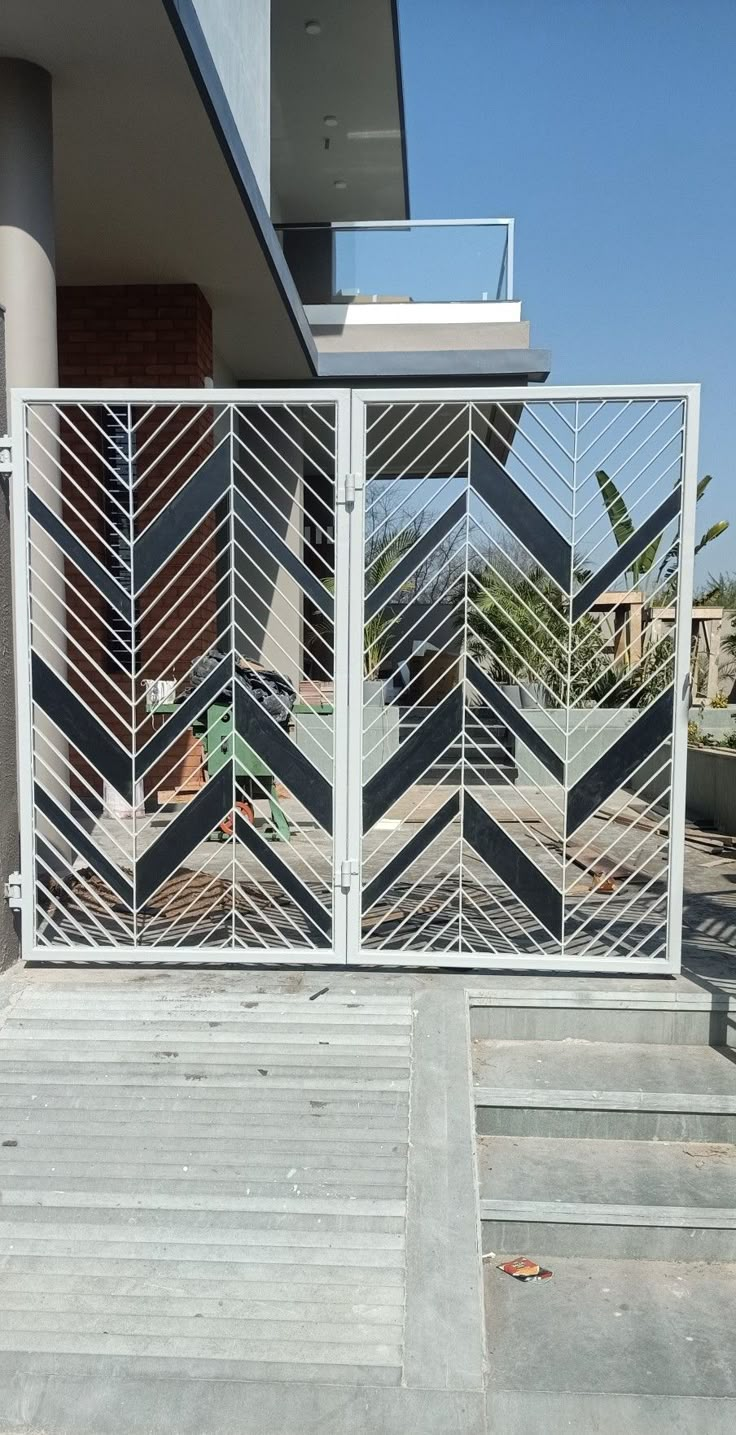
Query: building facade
(267,418)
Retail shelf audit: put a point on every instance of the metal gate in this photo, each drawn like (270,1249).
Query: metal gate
(386,677)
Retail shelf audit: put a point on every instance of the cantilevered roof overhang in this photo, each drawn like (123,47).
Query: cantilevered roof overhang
(408,366)
(338,138)
(152,182)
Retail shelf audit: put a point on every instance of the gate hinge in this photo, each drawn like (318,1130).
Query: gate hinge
(6,453)
(13,891)
(352,484)
(348,870)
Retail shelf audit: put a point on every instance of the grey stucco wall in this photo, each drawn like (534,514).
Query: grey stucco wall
(714,722)
(238,33)
(9,927)
(711,788)
(595,730)
(413,337)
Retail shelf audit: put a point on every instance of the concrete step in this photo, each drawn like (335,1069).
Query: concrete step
(612,1346)
(616,1090)
(27,1075)
(328,1221)
(605,1014)
(627,1199)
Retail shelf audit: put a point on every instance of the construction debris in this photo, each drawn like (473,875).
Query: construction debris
(522,1269)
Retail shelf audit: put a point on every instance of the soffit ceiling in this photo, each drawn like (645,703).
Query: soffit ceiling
(143,192)
(350,70)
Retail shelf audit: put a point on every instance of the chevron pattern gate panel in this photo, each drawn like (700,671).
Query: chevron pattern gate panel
(523,563)
(180,594)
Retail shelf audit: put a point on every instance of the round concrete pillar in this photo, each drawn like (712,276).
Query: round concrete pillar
(28,294)
(27,269)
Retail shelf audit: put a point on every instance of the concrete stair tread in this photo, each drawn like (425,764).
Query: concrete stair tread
(549,1173)
(591,1073)
(631,1327)
(581,1213)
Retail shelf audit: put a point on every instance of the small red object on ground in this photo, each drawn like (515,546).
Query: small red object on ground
(246,810)
(522,1269)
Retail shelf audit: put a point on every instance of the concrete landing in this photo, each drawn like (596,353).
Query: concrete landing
(612,1346)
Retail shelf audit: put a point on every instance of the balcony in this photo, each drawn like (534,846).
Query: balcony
(422,261)
(412,297)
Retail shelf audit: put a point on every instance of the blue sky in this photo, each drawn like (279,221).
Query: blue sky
(607,128)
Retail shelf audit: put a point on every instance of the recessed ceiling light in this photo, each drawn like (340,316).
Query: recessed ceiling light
(330,121)
(313,27)
(341,184)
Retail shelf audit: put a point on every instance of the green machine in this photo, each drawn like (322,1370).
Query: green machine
(221,744)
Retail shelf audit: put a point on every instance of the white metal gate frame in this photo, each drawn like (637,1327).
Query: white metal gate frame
(350,407)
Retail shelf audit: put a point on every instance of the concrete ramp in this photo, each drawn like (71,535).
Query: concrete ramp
(236,1211)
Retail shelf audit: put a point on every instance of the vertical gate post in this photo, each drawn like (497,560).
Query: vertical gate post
(9,920)
(683,632)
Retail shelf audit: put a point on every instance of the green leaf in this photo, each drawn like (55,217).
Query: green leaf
(616,508)
(646,560)
(715,531)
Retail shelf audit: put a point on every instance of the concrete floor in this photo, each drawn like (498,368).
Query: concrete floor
(607,1347)
(422,908)
(111,1257)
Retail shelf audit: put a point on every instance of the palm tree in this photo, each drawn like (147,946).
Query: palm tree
(519,628)
(720,589)
(384,547)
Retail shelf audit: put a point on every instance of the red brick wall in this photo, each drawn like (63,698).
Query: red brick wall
(146,336)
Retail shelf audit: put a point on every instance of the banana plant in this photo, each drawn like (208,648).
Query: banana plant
(383,550)
(650,561)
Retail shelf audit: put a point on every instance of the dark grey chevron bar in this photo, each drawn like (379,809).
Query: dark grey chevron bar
(626,554)
(411,850)
(259,531)
(181,720)
(81,728)
(321,934)
(514,719)
(282,756)
(522,876)
(520,515)
(406,566)
(414,757)
(176,522)
(79,556)
(84,846)
(192,824)
(615,767)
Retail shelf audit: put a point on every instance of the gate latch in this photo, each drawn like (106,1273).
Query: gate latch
(6,454)
(13,888)
(348,870)
(353,484)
